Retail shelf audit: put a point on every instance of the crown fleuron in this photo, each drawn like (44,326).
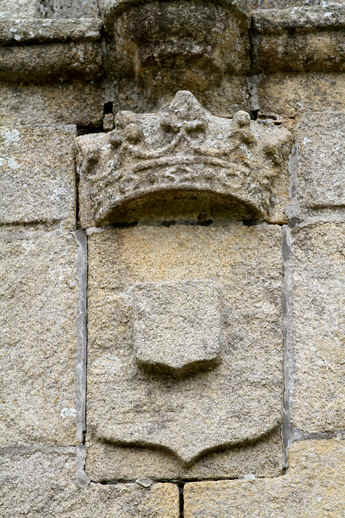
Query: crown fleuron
(185,152)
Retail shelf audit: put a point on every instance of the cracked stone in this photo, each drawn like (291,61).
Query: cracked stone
(313,486)
(36,483)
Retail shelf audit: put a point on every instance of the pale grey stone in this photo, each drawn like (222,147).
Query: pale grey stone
(38,341)
(19,8)
(36,185)
(320,161)
(69,8)
(37,483)
(29,30)
(318,288)
(284,4)
(75,102)
(300,18)
(184,159)
(312,487)
(189,417)
(177,326)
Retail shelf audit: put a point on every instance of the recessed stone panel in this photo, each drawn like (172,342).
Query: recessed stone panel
(313,486)
(160,279)
(37,180)
(318,284)
(42,483)
(38,340)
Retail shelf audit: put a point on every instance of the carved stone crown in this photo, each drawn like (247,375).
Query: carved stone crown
(182,148)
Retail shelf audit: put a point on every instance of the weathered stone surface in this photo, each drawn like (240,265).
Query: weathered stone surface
(313,486)
(290,95)
(67,103)
(69,8)
(38,30)
(224,99)
(177,327)
(299,39)
(37,186)
(318,287)
(41,483)
(320,160)
(61,61)
(299,19)
(264,458)
(38,313)
(189,417)
(284,4)
(152,40)
(19,8)
(180,152)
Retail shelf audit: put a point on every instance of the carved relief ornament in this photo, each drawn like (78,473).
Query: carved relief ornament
(183,150)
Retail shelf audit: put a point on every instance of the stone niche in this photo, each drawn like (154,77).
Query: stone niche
(184,308)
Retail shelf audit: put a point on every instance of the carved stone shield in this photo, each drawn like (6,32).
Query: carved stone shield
(185,347)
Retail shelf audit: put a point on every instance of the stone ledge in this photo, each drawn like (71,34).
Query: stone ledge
(36,49)
(58,61)
(38,30)
(299,19)
(299,39)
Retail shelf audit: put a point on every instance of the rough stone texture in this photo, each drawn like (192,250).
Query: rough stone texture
(284,4)
(69,8)
(313,486)
(318,289)
(290,95)
(37,186)
(237,166)
(68,103)
(320,160)
(177,327)
(41,483)
(170,46)
(38,311)
(299,19)
(19,8)
(224,100)
(156,48)
(39,63)
(104,462)
(299,39)
(187,417)
(43,31)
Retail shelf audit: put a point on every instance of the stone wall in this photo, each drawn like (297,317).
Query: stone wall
(172,265)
